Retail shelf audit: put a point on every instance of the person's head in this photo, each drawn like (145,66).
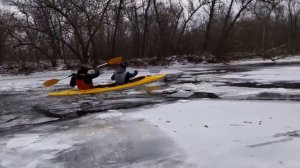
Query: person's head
(82,71)
(123,65)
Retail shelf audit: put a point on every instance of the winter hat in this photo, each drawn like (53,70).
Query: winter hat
(82,70)
(123,65)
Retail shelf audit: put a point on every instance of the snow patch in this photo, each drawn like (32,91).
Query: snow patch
(270,74)
(109,115)
(210,130)
(22,141)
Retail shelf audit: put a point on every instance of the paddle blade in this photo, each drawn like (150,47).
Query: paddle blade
(50,82)
(116,60)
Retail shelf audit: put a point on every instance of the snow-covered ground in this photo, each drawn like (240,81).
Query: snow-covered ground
(203,133)
(232,134)
(169,124)
(269,74)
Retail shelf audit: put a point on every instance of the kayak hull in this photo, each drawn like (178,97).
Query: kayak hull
(110,87)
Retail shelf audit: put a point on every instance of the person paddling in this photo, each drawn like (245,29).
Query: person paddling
(83,79)
(121,76)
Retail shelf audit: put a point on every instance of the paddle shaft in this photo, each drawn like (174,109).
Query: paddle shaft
(99,66)
(65,77)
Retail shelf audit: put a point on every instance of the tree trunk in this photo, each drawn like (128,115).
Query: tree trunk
(186,22)
(293,27)
(208,27)
(137,34)
(264,39)
(143,50)
(2,42)
(117,22)
(160,52)
(226,29)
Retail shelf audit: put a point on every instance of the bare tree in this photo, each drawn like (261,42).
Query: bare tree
(133,17)
(116,28)
(293,14)
(3,37)
(146,27)
(228,25)
(212,10)
(192,10)
(262,11)
(87,30)
(4,33)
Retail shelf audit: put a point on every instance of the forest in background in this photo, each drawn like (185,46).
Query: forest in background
(49,32)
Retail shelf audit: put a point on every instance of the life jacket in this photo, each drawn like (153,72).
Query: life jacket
(82,85)
(120,77)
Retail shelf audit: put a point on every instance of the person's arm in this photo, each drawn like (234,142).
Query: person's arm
(96,74)
(113,77)
(73,81)
(131,75)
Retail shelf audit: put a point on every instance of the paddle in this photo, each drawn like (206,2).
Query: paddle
(51,82)
(113,61)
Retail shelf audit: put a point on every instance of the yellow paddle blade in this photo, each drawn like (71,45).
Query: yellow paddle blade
(116,60)
(50,82)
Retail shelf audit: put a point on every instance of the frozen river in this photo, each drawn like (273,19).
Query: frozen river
(239,115)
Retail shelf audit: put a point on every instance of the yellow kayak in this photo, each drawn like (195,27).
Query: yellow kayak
(110,87)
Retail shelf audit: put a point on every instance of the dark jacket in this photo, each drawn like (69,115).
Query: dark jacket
(86,79)
(122,76)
